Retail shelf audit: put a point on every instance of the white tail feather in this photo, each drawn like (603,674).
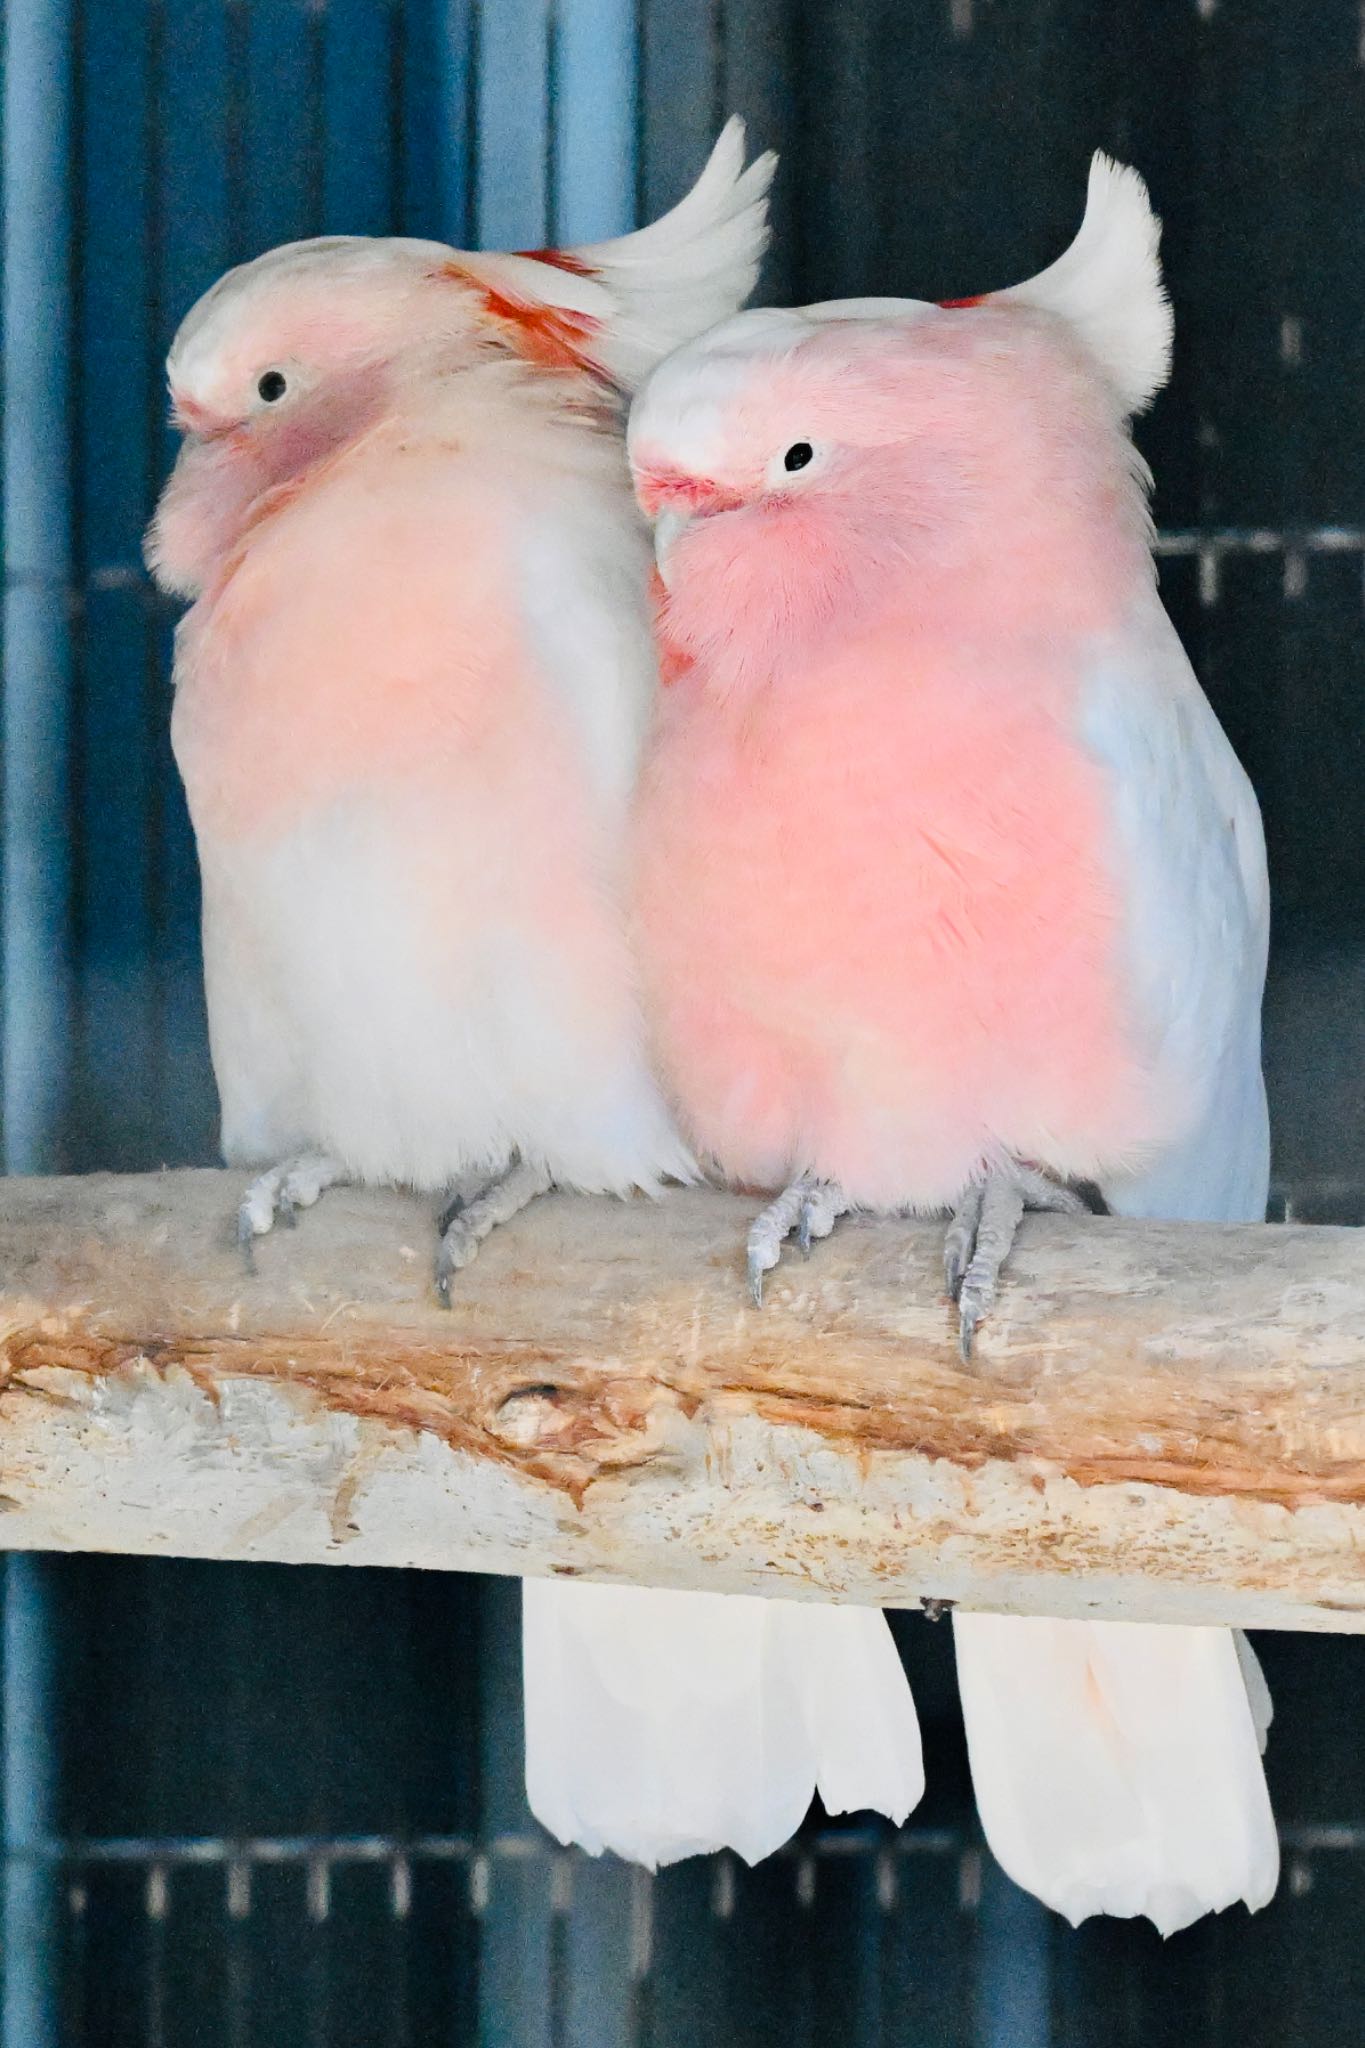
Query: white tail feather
(1108,285)
(1258,1692)
(664,1725)
(1117,1765)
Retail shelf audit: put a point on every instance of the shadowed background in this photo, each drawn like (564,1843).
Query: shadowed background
(261,1805)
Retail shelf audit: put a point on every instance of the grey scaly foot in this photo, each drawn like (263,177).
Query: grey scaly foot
(810,1206)
(466,1223)
(277,1194)
(459,1194)
(983,1229)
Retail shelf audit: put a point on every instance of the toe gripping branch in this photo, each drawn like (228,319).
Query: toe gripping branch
(983,1229)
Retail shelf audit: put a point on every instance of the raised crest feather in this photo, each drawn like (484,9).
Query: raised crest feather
(618,308)
(1108,285)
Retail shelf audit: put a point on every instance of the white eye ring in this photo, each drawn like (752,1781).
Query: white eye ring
(783,472)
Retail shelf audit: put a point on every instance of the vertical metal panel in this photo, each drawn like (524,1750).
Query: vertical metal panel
(761,52)
(513,189)
(30,1960)
(1013,1966)
(195,238)
(432,89)
(932,149)
(37,646)
(116,458)
(281,80)
(357,135)
(34,870)
(680,97)
(521,1964)
(594,111)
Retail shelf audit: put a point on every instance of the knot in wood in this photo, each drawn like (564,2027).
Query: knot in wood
(529,1416)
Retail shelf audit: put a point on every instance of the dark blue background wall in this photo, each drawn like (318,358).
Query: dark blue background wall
(251,1806)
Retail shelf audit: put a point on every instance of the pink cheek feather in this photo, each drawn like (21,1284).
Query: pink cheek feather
(222,482)
(760,583)
(203,510)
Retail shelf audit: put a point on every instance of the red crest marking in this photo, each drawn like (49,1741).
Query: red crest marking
(553,336)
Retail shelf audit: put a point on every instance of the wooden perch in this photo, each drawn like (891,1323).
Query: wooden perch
(1162,1423)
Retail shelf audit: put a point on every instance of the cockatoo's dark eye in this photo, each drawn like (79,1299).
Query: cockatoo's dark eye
(798,455)
(273,385)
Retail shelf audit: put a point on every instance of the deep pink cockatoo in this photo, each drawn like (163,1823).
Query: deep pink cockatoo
(410,697)
(951,894)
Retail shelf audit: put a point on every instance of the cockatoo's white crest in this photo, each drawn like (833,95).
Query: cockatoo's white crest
(613,309)
(622,305)
(1108,286)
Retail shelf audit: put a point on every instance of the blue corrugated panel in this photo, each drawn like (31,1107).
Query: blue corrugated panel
(281,193)
(434,110)
(513,192)
(359,55)
(195,242)
(117,455)
(595,109)
(34,935)
(682,85)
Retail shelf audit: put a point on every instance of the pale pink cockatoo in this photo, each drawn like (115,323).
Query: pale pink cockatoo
(410,698)
(952,893)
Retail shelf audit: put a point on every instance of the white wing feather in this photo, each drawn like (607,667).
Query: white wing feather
(1191,856)
(1117,1765)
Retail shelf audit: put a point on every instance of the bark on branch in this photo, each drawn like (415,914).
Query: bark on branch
(1161,1423)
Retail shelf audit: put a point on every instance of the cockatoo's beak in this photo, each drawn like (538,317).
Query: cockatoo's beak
(195,419)
(674,501)
(667,528)
(670,490)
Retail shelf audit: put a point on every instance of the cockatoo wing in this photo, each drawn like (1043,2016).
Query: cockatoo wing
(1117,1765)
(1191,857)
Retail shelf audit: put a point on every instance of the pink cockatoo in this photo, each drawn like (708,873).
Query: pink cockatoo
(952,895)
(410,697)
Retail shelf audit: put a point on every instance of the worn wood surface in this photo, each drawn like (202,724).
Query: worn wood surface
(1161,1422)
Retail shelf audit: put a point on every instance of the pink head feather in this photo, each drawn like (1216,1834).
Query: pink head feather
(806,475)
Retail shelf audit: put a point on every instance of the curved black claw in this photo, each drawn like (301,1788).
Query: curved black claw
(456,1206)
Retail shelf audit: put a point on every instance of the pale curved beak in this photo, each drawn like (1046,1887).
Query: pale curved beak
(667,528)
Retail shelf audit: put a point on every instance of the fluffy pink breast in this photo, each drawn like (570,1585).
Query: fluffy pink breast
(368,631)
(879,925)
